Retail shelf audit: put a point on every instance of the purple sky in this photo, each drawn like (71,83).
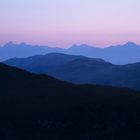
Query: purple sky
(60,23)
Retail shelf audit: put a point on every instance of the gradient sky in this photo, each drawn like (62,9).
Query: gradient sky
(60,23)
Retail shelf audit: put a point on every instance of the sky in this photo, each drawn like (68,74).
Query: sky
(61,23)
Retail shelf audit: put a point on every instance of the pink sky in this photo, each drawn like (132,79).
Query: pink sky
(63,23)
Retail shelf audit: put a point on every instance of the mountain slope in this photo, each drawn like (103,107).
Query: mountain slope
(81,70)
(40,107)
(23,50)
(119,54)
(88,71)
(44,63)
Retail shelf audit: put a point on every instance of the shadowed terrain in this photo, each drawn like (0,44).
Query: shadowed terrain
(81,70)
(39,107)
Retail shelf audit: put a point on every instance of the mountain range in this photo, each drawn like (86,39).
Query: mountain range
(119,54)
(22,50)
(39,107)
(81,69)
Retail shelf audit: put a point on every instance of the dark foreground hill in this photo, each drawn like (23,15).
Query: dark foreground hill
(81,70)
(38,107)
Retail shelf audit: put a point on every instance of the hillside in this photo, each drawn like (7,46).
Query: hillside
(39,107)
(81,70)
(119,54)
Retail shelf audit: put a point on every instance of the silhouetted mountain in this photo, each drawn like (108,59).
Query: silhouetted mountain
(22,50)
(42,63)
(81,70)
(119,54)
(85,71)
(38,107)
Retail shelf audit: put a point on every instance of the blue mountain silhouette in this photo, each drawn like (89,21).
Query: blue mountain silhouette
(119,54)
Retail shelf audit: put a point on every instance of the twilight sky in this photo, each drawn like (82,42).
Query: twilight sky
(60,23)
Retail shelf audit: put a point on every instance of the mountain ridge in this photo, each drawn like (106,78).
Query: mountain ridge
(81,69)
(118,54)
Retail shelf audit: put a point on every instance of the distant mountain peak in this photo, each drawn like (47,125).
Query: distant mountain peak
(74,46)
(10,43)
(83,46)
(23,44)
(129,43)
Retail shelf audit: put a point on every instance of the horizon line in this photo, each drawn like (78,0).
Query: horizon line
(74,44)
